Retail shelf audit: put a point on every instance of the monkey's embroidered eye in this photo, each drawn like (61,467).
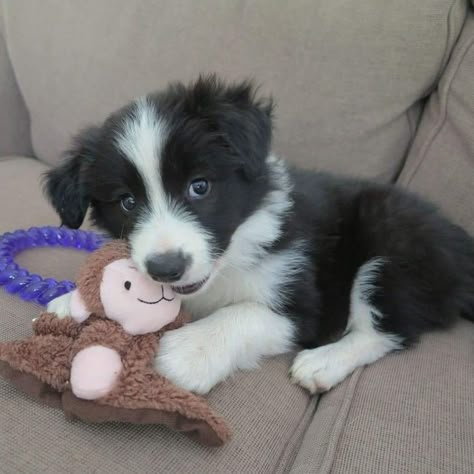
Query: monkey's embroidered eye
(127,285)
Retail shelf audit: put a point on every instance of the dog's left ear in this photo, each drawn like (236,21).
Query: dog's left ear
(64,185)
(247,126)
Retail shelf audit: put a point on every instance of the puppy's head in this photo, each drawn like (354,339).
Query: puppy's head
(176,172)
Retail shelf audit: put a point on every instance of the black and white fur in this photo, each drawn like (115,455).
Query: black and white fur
(347,269)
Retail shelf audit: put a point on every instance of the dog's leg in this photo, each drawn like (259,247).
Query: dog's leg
(322,368)
(200,355)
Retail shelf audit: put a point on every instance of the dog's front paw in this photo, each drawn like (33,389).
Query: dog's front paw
(60,306)
(317,370)
(191,360)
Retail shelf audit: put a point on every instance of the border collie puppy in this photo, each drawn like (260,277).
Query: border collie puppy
(267,258)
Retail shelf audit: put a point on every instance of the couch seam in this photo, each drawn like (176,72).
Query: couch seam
(444,102)
(447,50)
(412,129)
(443,63)
(299,431)
(5,158)
(10,157)
(339,424)
(337,428)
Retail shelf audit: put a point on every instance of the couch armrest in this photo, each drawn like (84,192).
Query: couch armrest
(14,118)
(440,164)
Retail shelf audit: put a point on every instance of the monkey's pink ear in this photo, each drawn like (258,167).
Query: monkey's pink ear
(79,311)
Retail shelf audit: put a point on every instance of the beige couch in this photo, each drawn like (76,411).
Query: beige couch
(377,88)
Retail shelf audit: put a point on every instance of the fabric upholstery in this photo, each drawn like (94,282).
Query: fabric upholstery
(440,165)
(21,195)
(14,119)
(409,412)
(348,76)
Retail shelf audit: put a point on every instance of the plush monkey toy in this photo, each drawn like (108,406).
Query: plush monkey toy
(97,364)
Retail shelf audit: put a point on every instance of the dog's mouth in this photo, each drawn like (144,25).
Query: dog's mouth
(190,289)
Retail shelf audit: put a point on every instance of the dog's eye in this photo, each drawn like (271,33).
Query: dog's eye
(127,285)
(128,203)
(199,188)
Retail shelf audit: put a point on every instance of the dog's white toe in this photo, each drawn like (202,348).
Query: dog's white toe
(317,370)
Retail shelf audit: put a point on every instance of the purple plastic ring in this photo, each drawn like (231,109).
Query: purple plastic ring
(35,288)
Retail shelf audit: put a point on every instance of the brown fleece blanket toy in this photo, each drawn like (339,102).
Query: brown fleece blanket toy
(97,364)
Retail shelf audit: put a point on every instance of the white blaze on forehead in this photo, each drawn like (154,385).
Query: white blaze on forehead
(164,225)
(141,141)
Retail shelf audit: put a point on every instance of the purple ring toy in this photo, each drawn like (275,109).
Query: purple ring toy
(35,288)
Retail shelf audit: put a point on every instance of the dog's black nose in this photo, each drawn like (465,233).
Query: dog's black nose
(167,267)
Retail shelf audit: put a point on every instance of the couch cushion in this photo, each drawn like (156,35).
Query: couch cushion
(441,163)
(14,120)
(348,76)
(410,412)
(23,204)
(267,414)
(24,207)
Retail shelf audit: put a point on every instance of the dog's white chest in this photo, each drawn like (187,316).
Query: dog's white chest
(229,288)
(267,283)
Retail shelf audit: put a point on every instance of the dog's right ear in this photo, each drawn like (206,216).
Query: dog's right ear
(64,185)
